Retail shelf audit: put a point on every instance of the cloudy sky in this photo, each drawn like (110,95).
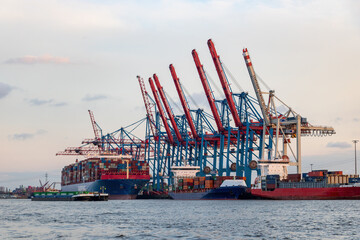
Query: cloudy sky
(60,58)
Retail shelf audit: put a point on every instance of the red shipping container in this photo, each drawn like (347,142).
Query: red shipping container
(315,174)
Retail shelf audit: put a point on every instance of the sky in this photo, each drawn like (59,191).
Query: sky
(60,58)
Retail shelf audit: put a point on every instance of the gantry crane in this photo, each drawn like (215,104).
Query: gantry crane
(285,125)
(230,147)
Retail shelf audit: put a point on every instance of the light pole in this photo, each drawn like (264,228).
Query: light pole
(311,167)
(355,141)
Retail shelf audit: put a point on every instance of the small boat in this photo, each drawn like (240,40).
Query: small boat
(69,196)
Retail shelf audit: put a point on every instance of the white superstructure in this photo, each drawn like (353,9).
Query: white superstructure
(274,167)
(185,171)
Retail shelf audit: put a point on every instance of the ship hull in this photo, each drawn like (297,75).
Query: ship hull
(118,189)
(328,193)
(221,193)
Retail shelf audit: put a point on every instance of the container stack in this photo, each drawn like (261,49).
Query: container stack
(92,169)
(295,177)
(330,177)
(188,183)
(272,181)
(202,183)
(209,183)
(315,176)
(180,184)
(354,179)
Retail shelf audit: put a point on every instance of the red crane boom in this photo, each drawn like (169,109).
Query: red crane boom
(207,90)
(161,111)
(147,106)
(183,101)
(167,108)
(224,83)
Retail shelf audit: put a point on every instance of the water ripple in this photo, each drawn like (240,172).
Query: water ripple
(167,219)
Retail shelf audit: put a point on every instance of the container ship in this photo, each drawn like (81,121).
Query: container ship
(121,178)
(210,188)
(314,185)
(188,186)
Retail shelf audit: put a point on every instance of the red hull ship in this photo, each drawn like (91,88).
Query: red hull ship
(315,185)
(327,193)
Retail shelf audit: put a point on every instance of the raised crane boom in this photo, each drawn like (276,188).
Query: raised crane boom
(183,101)
(208,93)
(224,83)
(161,111)
(167,108)
(256,86)
(147,106)
(94,125)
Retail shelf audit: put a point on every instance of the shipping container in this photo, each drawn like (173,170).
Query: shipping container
(316,174)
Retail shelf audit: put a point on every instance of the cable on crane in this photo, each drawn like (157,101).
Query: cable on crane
(192,100)
(214,84)
(172,101)
(263,82)
(233,78)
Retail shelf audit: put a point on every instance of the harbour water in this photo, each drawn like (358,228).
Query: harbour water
(169,219)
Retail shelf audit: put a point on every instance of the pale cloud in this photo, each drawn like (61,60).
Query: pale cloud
(282,109)
(76,15)
(26,136)
(94,97)
(338,145)
(356,119)
(21,136)
(39,102)
(59,104)
(40,132)
(45,59)
(5,89)
(197,100)
(337,120)
(45,102)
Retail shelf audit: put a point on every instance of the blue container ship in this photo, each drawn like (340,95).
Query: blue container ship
(119,177)
(188,186)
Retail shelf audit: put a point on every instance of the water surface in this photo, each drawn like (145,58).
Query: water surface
(169,219)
